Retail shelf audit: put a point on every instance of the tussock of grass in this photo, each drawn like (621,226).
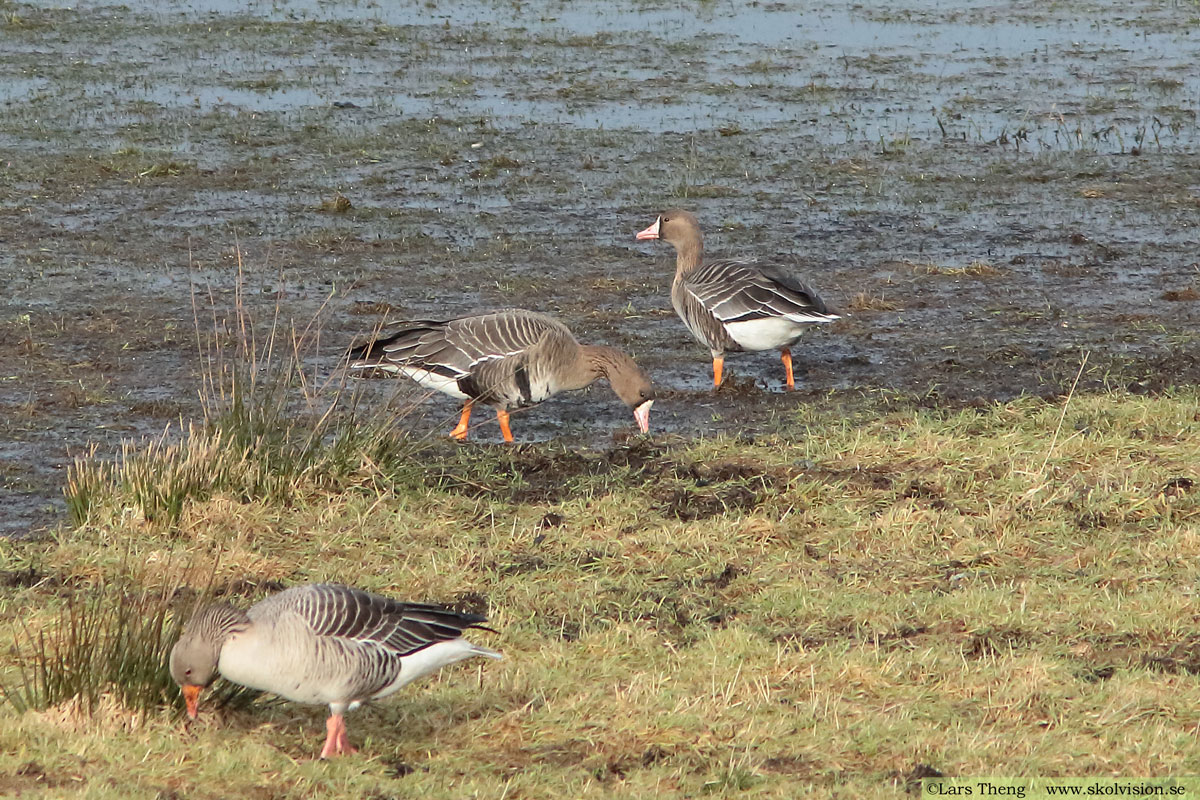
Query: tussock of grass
(111,642)
(104,653)
(273,429)
(864,301)
(976,269)
(157,478)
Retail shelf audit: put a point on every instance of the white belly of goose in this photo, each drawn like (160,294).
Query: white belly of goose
(763,334)
(292,672)
(431,380)
(422,377)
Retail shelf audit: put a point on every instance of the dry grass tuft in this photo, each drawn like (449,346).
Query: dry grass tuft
(864,301)
(338,204)
(976,269)
(274,428)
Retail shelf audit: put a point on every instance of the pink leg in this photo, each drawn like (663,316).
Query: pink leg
(336,740)
(344,745)
(332,725)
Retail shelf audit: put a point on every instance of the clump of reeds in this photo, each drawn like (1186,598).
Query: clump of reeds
(272,426)
(111,642)
(107,642)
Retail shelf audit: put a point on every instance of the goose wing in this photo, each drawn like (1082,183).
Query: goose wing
(747,290)
(354,616)
(486,355)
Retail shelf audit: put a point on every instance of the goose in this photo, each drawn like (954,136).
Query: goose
(505,359)
(735,304)
(322,644)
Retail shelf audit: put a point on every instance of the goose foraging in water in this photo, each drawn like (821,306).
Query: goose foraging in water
(324,644)
(505,359)
(734,304)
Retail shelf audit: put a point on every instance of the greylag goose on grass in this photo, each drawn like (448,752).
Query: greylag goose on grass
(734,304)
(324,644)
(505,359)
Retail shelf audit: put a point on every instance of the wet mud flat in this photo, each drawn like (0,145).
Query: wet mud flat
(986,194)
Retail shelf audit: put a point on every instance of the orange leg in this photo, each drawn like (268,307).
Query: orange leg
(718,368)
(505,431)
(786,356)
(460,430)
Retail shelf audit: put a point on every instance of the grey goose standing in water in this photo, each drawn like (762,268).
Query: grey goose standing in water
(505,359)
(324,644)
(733,304)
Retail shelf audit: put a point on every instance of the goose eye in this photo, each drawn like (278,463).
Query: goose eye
(187,672)
(666,219)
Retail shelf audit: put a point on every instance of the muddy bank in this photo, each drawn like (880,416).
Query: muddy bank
(985,194)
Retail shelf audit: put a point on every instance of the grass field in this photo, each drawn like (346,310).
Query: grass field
(874,592)
(900,571)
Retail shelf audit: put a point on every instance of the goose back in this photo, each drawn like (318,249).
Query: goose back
(744,304)
(506,358)
(337,645)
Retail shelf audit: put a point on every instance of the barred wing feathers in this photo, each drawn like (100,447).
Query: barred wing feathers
(352,615)
(743,291)
(486,355)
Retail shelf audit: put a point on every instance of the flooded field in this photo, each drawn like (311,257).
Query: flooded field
(986,193)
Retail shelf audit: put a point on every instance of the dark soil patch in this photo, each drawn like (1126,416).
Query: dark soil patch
(1181,295)
(31,777)
(903,636)
(521,564)
(470,603)
(914,777)
(742,387)
(400,769)
(1177,487)
(788,764)
(688,506)
(1160,373)
(994,642)
(1097,674)
(671,607)
(25,578)
(550,519)
(1180,658)
(832,631)
(653,755)
(725,576)
(534,474)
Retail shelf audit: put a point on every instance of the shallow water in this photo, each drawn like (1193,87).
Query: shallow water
(985,191)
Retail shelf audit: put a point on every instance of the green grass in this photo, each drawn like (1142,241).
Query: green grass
(1006,590)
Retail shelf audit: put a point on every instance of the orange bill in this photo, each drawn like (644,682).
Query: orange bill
(191,697)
